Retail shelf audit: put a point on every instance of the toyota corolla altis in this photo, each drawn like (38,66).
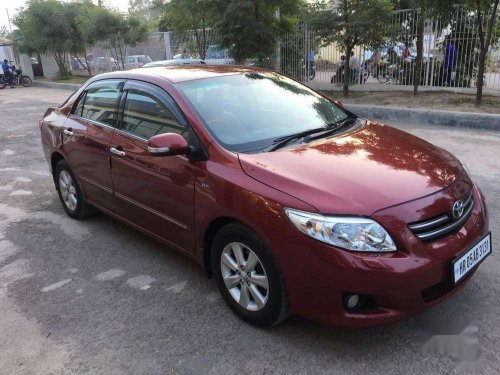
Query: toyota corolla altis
(293,204)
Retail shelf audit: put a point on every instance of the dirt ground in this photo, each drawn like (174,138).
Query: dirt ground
(446,101)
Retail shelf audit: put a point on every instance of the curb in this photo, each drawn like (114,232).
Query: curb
(426,116)
(57,85)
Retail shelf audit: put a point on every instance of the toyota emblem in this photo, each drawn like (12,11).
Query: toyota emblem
(458,209)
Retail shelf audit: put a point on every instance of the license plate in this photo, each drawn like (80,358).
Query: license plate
(470,259)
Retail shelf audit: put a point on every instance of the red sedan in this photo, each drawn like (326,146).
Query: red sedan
(293,204)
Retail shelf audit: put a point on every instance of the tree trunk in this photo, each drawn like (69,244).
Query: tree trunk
(417,72)
(87,64)
(61,63)
(347,71)
(197,40)
(484,45)
(480,77)
(204,47)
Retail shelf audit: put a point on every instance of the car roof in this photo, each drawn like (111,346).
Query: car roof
(182,73)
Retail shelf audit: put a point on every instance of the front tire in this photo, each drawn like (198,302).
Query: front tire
(248,277)
(70,194)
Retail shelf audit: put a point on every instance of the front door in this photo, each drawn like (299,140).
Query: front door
(155,192)
(87,137)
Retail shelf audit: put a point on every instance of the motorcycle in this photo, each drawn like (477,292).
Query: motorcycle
(18,79)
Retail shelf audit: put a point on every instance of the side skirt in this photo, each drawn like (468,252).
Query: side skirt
(146,232)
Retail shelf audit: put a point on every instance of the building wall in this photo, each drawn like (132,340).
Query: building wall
(7,52)
(50,68)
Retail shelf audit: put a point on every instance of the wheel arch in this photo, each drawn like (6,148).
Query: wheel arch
(208,236)
(55,158)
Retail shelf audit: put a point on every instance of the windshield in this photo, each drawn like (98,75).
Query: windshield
(248,112)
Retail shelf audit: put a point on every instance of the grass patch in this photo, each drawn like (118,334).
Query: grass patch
(70,79)
(445,101)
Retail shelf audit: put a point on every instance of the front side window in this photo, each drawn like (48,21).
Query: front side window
(100,102)
(247,112)
(146,115)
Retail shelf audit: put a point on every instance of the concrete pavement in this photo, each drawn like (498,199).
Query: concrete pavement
(97,297)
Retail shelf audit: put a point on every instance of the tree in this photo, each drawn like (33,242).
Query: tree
(486,14)
(352,23)
(4,32)
(195,16)
(45,27)
(79,43)
(248,28)
(114,30)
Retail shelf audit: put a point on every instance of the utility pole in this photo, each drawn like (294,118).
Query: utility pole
(8,19)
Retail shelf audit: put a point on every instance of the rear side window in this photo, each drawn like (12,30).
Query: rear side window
(100,102)
(146,115)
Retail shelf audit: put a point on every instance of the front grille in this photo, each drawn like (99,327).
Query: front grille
(441,225)
(440,289)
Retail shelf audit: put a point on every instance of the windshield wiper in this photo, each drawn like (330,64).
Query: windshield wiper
(308,134)
(283,141)
(331,128)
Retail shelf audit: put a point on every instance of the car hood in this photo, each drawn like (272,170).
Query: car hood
(360,172)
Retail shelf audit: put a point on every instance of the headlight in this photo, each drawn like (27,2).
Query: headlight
(350,233)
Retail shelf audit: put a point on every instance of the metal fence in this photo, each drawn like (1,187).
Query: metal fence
(456,42)
(450,55)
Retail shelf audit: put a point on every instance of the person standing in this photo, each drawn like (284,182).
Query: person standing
(7,71)
(449,62)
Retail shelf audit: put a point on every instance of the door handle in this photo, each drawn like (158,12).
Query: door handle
(68,132)
(117,152)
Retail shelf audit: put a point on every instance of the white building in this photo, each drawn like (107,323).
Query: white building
(7,51)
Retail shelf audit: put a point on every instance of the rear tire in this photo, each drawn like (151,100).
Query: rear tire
(26,81)
(70,194)
(252,285)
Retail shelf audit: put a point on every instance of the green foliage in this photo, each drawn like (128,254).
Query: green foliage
(4,32)
(351,23)
(45,27)
(196,16)
(249,28)
(62,28)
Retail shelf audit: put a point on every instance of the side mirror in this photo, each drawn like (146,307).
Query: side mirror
(168,144)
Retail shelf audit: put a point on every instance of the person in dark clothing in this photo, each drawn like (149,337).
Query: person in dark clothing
(7,72)
(449,62)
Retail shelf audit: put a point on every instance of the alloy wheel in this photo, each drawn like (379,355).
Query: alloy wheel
(244,276)
(68,190)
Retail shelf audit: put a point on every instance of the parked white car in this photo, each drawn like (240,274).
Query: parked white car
(175,62)
(136,61)
(218,56)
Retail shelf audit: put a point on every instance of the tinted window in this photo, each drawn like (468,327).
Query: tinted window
(249,111)
(101,102)
(146,115)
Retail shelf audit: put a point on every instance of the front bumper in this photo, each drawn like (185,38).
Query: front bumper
(399,284)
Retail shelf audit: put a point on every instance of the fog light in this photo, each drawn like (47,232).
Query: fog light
(352,301)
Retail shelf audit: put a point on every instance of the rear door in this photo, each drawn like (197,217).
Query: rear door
(155,192)
(87,137)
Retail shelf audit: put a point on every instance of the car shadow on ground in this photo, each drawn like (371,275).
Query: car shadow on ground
(177,307)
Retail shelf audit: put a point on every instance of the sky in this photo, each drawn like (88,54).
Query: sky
(12,5)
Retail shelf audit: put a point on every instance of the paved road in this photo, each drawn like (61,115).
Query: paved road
(99,297)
